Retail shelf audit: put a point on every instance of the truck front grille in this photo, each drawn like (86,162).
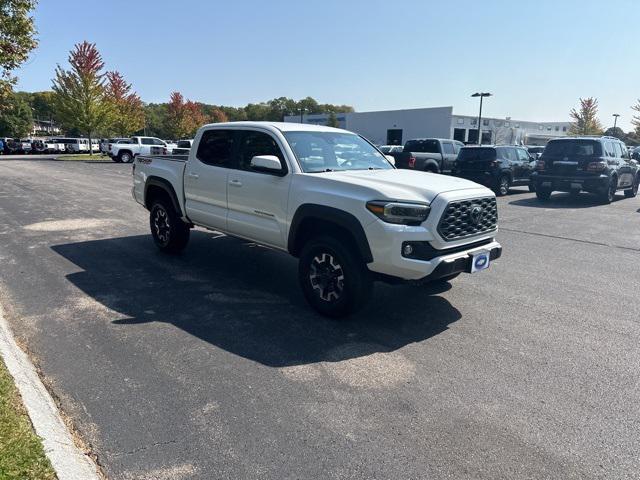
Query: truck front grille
(466,218)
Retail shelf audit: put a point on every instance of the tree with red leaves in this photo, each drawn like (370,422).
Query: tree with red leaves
(183,117)
(80,99)
(128,111)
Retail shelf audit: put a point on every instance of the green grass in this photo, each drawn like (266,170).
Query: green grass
(21,453)
(84,157)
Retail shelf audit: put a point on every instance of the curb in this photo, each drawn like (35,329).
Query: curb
(67,460)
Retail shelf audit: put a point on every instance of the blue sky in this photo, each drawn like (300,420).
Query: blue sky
(537,57)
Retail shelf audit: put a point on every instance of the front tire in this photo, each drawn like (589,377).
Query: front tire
(633,191)
(333,277)
(502,188)
(169,232)
(543,194)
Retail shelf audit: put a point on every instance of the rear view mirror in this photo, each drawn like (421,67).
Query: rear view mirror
(266,163)
(391,159)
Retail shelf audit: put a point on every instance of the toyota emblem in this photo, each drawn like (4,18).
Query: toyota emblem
(475,214)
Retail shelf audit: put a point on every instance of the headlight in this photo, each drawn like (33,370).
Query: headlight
(400,213)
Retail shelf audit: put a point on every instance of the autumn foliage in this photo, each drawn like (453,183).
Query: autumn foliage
(128,110)
(183,117)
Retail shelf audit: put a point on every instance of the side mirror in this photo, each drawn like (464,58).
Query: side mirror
(266,163)
(391,159)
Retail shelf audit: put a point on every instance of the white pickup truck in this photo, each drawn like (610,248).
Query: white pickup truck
(125,152)
(326,196)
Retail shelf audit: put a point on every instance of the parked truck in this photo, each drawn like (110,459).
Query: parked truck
(125,152)
(326,196)
(436,155)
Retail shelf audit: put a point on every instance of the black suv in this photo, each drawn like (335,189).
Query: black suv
(599,165)
(497,167)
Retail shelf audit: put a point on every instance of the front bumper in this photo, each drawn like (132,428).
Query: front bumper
(570,183)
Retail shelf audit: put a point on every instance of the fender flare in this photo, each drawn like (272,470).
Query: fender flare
(332,215)
(167,187)
(430,162)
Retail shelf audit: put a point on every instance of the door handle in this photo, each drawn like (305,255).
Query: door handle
(193,175)
(235,183)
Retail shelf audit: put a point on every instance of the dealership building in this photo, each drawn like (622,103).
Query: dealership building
(395,127)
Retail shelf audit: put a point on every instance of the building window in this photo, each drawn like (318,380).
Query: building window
(497,123)
(549,128)
(485,122)
(474,121)
(461,121)
(540,127)
(564,129)
(517,125)
(557,128)
(506,124)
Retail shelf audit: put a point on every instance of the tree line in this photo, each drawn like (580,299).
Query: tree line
(90,101)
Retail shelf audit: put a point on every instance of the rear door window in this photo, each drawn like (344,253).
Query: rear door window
(523,155)
(216,148)
(447,148)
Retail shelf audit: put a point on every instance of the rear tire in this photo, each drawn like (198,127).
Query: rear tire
(125,157)
(333,277)
(543,194)
(169,232)
(633,191)
(607,195)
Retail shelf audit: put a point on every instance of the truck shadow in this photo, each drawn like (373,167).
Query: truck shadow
(245,299)
(563,200)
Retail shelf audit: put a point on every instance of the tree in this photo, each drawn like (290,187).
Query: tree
(332,121)
(585,120)
(16,120)
(80,94)
(128,112)
(183,117)
(17,39)
(218,116)
(635,120)
(615,132)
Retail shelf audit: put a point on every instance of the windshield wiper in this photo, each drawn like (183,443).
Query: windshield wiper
(321,171)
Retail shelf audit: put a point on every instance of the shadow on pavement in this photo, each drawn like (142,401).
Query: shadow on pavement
(563,200)
(245,299)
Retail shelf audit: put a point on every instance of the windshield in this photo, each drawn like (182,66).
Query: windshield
(331,151)
(569,148)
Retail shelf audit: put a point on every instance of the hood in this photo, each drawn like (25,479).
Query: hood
(401,184)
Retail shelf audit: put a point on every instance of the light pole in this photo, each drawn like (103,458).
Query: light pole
(481,95)
(615,121)
(302,110)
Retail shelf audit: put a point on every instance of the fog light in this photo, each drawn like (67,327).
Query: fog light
(407,250)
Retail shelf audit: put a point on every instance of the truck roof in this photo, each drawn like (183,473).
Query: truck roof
(282,126)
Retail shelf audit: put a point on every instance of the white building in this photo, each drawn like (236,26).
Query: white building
(395,127)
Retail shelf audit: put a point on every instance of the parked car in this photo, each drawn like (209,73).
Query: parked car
(183,147)
(389,149)
(434,155)
(126,151)
(74,145)
(38,146)
(535,151)
(10,146)
(1,147)
(635,153)
(350,221)
(497,167)
(24,146)
(599,165)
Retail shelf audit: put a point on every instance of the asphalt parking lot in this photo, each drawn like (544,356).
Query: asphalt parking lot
(211,365)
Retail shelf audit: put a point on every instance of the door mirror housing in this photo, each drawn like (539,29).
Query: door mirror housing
(391,159)
(266,163)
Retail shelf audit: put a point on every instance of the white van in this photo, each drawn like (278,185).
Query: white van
(74,145)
